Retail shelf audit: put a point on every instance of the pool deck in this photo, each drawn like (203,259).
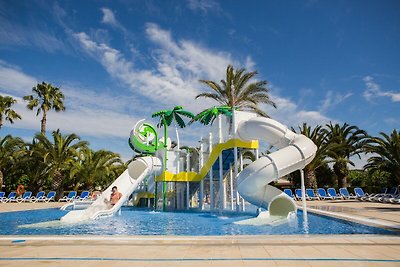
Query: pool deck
(316,250)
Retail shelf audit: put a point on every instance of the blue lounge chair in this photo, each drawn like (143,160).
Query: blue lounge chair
(26,197)
(50,197)
(289,193)
(381,197)
(360,194)
(11,197)
(345,193)
(311,194)
(2,196)
(322,194)
(333,194)
(40,195)
(71,196)
(299,195)
(84,196)
(386,197)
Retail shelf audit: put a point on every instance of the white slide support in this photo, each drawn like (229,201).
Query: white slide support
(294,152)
(126,183)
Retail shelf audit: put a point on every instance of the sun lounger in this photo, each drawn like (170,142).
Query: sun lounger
(71,196)
(11,197)
(322,194)
(289,193)
(311,194)
(360,194)
(395,199)
(84,196)
(345,193)
(299,195)
(40,195)
(26,197)
(333,194)
(382,197)
(50,197)
(2,196)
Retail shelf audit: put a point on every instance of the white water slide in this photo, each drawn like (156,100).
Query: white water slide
(126,183)
(294,152)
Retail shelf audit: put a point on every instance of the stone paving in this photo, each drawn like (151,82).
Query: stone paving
(316,250)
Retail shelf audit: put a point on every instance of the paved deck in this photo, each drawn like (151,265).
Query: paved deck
(320,250)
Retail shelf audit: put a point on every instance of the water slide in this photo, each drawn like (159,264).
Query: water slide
(126,183)
(293,152)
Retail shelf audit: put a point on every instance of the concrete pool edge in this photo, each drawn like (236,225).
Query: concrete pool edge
(357,219)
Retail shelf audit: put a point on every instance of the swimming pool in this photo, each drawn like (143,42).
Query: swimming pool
(143,222)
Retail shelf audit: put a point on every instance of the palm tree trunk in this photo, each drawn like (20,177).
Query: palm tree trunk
(311,179)
(44,120)
(57,184)
(1,122)
(1,180)
(341,171)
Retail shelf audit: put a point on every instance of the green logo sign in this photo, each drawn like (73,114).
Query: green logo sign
(144,138)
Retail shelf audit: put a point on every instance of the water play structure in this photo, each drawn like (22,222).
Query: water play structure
(188,181)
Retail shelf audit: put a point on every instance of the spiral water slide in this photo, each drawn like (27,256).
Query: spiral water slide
(293,152)
(126,183)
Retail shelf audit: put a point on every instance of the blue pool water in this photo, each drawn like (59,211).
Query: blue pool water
(141,222)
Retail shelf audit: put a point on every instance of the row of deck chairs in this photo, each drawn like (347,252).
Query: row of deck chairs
(41,197)
(391,196)
(27,197)
(321,194)
(72,196)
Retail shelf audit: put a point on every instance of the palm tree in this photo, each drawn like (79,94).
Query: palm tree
(9,150)
(387,149)
(319,138)
(59,156)
(166,119)
(96,167)
(346,141)
(6,112)
(236,91)
(33,167)
(46,97)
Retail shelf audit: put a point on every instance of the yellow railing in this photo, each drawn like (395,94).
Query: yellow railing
(197,177)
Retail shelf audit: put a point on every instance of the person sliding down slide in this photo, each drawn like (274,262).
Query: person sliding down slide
(114,197)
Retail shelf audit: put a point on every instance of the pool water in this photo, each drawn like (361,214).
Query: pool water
(143,222)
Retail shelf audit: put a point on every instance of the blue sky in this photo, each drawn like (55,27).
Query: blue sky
(120,61)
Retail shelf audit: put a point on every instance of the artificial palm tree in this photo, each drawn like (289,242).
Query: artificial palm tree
(166,119)
(10,147)
(6,112)
(95,167)
(387,150)
(46,97)
(236,91)
(319,138)
(347,141)
(207,117)
(59,155)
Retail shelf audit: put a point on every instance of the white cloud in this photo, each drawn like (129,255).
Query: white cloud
(109,18)
(12,34)
(291,114)
(87,112)
(373,90)
(15,81)
(178,67)
(332,100)
(203,5)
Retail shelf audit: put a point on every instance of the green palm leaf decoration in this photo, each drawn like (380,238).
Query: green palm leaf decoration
(166,118)
(208,116)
